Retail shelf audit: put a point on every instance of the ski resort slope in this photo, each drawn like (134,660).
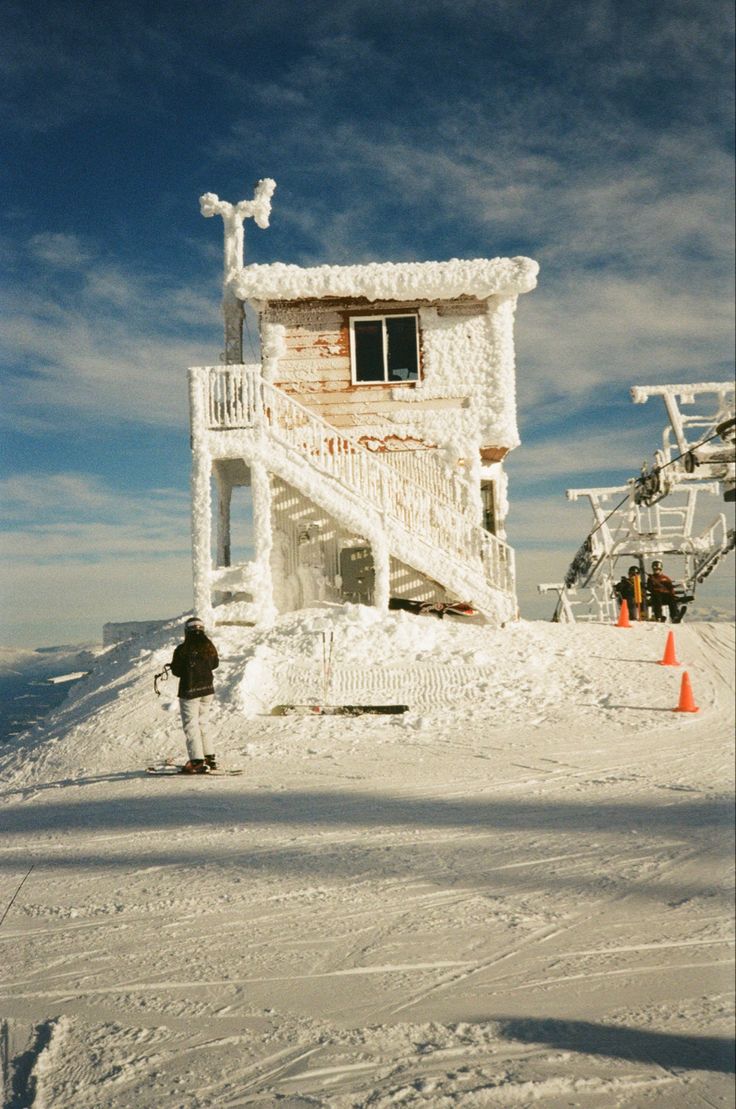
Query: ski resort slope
(517,893)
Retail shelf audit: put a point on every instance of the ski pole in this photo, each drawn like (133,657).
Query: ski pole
(327,638)
(160,677)
(12,899)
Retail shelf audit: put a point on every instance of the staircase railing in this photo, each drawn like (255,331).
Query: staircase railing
(234,400)
(433,504)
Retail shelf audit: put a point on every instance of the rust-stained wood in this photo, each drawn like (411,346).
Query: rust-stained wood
(313,378)
(394,444)
(493,454)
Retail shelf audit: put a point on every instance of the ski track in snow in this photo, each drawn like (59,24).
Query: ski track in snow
(518,893)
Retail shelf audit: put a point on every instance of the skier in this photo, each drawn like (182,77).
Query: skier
(661,591)
(628,589)
(193,663)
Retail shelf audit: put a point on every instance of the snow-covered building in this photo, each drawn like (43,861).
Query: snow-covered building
(371,435)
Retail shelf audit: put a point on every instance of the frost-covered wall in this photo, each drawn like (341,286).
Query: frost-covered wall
(306,555)
(305,551)
(468,354)
(464,402)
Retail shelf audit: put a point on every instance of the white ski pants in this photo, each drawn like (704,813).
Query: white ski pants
(195,714)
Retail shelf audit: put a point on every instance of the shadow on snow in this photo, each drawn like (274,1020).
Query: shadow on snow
(206,804)
(216,828)
(673,1052)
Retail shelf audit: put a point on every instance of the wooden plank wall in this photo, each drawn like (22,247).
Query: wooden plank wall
(316,368)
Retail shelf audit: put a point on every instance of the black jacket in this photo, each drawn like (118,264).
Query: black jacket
(624,590)
(193,663)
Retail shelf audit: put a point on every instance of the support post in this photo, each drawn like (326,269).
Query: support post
(224,504)
(233,313)
(200,491)
(202,533)
(263,542)
(381,570)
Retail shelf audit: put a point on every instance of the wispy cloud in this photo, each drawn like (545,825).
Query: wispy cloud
(51,545)
(606,160)
(78,553)
(99,343)
(71,603)
(550,523)
(586,332)
(93,67)
(50,518)
(62,251)
(603,450)
(626,211)
(27,494)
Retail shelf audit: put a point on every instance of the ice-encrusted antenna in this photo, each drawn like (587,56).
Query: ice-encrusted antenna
(234,215)
(233,218)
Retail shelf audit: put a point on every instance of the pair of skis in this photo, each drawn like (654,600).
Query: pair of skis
(440,609)
(169,769)
(337,710)
(325,708)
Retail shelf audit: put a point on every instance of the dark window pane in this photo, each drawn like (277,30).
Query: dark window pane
(487,492)
(402,348)
(368,350)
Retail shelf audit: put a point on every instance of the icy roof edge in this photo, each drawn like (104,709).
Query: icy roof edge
(479,277)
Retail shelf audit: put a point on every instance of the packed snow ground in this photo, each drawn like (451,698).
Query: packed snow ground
(516,893)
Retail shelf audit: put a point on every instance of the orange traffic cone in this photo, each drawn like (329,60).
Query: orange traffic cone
(623,616)
(687,701)
(669,658)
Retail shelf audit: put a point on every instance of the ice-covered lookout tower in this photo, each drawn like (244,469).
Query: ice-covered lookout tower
(370,437)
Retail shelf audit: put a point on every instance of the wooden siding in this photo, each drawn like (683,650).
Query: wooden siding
(316,370)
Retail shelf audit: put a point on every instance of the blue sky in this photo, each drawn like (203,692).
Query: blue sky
(594,137)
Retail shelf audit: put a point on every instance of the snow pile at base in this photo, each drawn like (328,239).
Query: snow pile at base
(479,277)
(528,674)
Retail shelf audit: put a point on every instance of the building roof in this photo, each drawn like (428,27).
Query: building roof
(399,281)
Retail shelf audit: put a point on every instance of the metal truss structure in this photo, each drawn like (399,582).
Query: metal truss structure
(654,516)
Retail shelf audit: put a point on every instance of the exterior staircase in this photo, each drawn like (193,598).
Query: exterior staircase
(424,515)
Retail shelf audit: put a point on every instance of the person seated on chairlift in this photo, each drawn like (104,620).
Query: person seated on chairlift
(661,593)
(628,589)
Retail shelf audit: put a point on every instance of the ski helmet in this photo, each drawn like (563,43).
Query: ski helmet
(633,569)
(194,624)
(657,565)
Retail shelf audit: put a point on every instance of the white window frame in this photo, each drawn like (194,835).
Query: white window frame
(383,317)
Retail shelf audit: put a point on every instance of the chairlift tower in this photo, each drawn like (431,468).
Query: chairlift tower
(653,516)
